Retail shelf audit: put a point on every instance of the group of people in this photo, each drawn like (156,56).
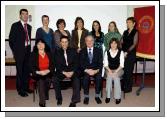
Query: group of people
(81,55)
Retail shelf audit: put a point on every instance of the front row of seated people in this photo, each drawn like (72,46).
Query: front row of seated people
(67,64)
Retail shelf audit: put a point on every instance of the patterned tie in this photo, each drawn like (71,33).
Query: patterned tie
(25,29)
(90,55)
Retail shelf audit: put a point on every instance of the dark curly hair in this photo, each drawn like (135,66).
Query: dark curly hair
(47,49)
(59,21)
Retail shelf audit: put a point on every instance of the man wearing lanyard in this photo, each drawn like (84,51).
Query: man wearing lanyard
(20,44)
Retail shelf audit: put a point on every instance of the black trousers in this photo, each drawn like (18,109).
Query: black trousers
(23,71)
(128,71)
(43,88)
(75,87)
(86,83)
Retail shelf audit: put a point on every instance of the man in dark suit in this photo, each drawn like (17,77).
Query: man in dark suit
(66,63)
(20,43)
(91,62)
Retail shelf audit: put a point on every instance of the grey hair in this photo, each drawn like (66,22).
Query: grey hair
(90,37)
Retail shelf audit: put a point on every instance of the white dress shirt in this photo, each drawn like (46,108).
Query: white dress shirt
(65,56)
(105,61)
(91,50)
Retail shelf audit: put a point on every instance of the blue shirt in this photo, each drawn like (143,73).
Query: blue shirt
(48,37)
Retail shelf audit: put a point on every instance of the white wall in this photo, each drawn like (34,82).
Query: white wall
(104,14)
(130,9)
(12,15)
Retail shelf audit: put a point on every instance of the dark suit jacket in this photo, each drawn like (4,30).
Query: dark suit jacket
(17,39)
(34,64)
(74,40)
(97,61)
(72,59)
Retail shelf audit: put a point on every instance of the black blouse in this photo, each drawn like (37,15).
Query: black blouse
(129,40)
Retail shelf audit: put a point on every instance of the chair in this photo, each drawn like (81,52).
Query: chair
(33,86)
(122,87)
(66,79)
(64,86)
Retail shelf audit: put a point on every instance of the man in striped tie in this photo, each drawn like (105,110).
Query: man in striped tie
(91,62)
(20,44)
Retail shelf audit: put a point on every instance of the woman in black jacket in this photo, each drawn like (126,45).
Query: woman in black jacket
(42,68)
(129,42)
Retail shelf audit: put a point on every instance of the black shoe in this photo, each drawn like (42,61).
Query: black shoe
(98,100)
(72,104)
(47,98)
(23,94)
(42,105)
(29,91)
(117,101)
(59,102)
(86,101)
(26,94)
(107,100)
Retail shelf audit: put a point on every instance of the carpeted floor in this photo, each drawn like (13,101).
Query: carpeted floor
(145,99)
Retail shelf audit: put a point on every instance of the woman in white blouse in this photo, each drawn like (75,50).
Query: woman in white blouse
(114,63)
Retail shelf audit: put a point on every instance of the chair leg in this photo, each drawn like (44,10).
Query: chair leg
(81,83)
(101,93)
(135,72)
(34,92)
(124,94)
(36,88)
